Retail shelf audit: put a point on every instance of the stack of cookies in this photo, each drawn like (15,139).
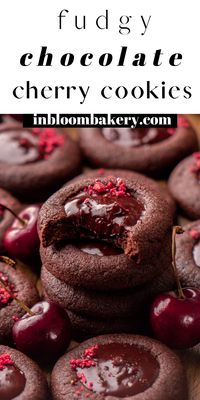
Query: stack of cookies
(105,249)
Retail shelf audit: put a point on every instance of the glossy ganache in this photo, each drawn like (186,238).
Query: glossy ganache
(196,253)
(104,210)
(137,137)
(98,248)
(19,148)
(116,369)
(12,380)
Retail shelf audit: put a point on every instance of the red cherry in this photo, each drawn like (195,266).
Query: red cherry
(176,321)
(46,334)
(21,238)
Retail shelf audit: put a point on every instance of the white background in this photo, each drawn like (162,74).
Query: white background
(25,26)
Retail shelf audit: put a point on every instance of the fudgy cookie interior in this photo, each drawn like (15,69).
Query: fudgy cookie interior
(101,211)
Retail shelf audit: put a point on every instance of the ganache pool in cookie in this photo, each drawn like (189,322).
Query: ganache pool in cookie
(116,369)
(104,210)
(137,137)
(98,248)
(20,146)
(12,380)
(195,234)
(195,168)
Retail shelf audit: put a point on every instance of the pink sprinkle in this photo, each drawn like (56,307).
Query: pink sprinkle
(101,171)
(196,155)
(49,139)
(194,234)
(90,385)
(182,122)
(171,131)
(5,360)
(116,188)
(92,351)
(81,377)
(81,363)
(15,318)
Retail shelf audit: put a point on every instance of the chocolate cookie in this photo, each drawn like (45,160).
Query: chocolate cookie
(35,163)
(151,151)
(188,255)
(20,377)
(127,214)
(93,265)
(119,366)
(20,284)
(184,185)
(102,304)
(85,327)
(126,174)
(6,218)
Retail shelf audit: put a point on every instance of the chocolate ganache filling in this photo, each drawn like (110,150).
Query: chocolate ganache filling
(12,380)
(98,248)
(12,383)
(117,369)
(196,254)
(137,137)
(18,147)
(103,210)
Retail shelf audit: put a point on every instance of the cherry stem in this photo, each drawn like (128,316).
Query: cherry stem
(23,222)
(7,260)
(19,302)
(176,231)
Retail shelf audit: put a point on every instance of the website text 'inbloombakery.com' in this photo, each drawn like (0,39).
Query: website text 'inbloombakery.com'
(100,120)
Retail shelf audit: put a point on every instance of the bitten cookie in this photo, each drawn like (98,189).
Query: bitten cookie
(152,151)
(34,163)
(20,284)
(126,214)
(20,377)
(184,185)
(119,366)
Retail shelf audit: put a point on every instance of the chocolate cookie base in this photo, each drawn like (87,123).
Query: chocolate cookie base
(188,270)
(36,181)
(127,303)
(155,159)
(141,242)
(36,385)
(85,327)
(79,269)
(169,385)
(185,188)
